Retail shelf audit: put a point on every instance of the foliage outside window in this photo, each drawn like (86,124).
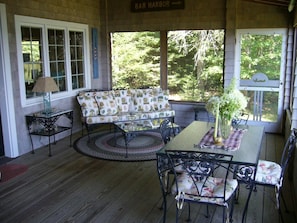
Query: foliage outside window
(61,53)
(135,60)
(195,62)
(260,54)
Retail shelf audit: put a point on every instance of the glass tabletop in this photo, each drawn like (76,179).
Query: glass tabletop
(135,125)
(248,153)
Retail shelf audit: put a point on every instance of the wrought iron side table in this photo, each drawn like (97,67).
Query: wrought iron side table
(42,124)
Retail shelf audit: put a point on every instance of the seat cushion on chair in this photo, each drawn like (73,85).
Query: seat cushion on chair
(184,183)
(268,172)
(210,191)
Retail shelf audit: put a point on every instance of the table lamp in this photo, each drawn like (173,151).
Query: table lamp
(46,85)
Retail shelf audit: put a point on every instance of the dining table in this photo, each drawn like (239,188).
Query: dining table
(245,148)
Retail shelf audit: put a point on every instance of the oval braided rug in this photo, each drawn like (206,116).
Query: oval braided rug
(111,146)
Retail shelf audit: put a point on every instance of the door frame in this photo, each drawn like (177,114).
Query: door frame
(9,129)
(273,127)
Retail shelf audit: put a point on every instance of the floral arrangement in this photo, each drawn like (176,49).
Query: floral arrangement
(225,108)
(229,105)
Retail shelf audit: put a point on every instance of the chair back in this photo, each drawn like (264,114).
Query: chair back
(200,172)
(288,152)
(164,167)
(242,119)
(165,130)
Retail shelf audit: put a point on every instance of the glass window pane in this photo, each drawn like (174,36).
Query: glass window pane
(57,57)
(79,53)
(81,81)
(60,53)
(52,53)
(73,68)
(60,37)
(61,83)
(80,67)
(53,68)
(77,58)
(51,36)
(61,68)
(32,57)
(72,53)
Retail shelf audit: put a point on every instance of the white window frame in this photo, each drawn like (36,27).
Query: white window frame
(46,24)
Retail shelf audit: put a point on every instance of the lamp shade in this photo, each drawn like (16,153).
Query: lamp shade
(45,84)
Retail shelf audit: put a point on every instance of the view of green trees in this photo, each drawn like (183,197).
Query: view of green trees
(135,60)
(260,54)
(195,62)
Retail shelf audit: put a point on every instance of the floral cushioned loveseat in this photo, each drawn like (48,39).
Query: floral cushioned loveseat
(123,105)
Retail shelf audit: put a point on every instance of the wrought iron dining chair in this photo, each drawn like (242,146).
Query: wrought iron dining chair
(241,119)
(165,130)
(204,180)
(168,130)
(271,174)
(164,168)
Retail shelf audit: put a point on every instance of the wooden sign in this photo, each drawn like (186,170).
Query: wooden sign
(156,5)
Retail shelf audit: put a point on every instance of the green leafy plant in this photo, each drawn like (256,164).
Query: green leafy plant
(230,104)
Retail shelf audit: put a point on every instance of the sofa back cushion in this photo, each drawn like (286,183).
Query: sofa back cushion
(88,104)
(123,99)
(143,100)
(106,102)
(161,99)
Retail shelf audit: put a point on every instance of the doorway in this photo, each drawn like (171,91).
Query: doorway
(260,69)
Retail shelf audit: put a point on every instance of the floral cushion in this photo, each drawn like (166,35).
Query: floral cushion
(209,191)
(102,119)
(143,100)
(88,104)
(161,114)
(107,105)
(126,116)
(268,172)
(160,100)
(184,182)
(123,99)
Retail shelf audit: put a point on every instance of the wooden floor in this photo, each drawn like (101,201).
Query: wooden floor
(70,187)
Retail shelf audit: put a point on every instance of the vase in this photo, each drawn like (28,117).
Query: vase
(225,127)
(217,138)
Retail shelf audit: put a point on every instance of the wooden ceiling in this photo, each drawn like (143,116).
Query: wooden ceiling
(283,3)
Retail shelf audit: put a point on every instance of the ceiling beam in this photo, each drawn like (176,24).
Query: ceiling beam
(283,3)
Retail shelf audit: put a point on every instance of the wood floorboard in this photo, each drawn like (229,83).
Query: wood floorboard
(70,187)
(65,194)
